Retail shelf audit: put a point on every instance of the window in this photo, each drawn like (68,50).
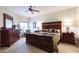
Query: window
(24,26)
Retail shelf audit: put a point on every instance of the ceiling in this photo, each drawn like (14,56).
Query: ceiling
(22,10)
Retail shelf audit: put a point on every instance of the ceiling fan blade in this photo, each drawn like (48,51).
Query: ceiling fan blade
(32,10)
(36,10)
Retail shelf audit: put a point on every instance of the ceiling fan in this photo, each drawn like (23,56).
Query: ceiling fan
(32,10)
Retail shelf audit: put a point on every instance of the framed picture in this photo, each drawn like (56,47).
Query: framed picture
(34,24)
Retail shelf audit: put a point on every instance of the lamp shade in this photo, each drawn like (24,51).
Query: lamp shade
(67,24)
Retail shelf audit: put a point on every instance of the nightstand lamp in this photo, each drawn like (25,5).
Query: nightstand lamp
(68,29)
(68,25)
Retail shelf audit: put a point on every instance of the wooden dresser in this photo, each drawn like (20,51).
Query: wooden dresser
(68,38)
(8,37)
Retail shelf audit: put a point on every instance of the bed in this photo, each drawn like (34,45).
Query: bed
(46,40)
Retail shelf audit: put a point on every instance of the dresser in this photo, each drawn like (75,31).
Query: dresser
(68,38)
(8,37)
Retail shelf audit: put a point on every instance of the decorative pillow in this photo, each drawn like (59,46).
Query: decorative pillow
(51,30)
(57,31)
(54,30)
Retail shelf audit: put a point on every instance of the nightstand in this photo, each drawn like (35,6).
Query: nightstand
(68,38)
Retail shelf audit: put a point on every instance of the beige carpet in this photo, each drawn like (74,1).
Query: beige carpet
(21,47)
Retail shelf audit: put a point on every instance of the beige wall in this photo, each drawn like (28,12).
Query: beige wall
(21,19)
(78,16)
(16,18)
(1,19)
(77,30)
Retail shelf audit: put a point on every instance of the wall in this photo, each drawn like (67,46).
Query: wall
(33,19)
(1,19)
(21,19)
(16,18)
(67,14)
(77,30)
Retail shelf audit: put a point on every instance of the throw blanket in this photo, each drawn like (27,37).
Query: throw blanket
(55,40)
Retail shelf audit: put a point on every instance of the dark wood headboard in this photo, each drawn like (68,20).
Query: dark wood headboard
(50,25)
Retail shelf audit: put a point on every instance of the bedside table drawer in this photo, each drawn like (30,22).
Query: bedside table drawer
(68,38)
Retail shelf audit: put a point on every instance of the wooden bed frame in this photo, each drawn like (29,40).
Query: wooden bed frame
(44,42)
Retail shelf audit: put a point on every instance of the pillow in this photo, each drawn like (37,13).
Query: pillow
(51,30)
(57,31)
(54,30)
(45,30)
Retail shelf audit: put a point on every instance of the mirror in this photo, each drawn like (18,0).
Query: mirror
(8,21)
